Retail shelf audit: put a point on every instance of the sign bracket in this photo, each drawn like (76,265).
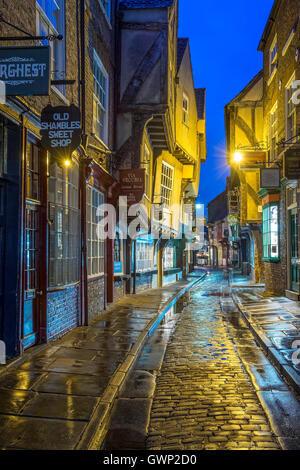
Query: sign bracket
(28,36)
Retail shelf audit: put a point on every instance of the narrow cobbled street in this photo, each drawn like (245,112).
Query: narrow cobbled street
(204,397)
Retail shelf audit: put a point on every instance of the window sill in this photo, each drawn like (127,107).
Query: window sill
(272,76)
(59,95)
(95,277)
(271,260)
(101,142)
(105,15)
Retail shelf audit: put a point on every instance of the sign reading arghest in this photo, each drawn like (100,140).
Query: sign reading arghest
(132,185)
(25,70)
(61,129)
(292,164)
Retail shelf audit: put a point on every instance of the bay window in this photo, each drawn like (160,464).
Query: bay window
(64,224)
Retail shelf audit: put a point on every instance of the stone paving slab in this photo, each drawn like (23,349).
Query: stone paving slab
(57,396)
(275,323)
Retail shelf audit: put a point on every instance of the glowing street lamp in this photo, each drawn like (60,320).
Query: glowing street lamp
(237,157)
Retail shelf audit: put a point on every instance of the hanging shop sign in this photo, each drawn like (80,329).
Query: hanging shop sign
(132,185)
(292,164)
(25,70)
(60,129)
(270,178)
(252,159)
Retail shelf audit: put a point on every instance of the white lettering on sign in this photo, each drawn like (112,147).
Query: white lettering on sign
(18,71)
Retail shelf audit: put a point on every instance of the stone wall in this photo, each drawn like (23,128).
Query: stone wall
(96,297)
(62,311)
(119,290)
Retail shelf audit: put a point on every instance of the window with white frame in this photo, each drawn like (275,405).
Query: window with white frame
(50,20)
(95,246)
(145,163)
(167,176)
(273,56)
(271,232)
(64,217)
(273,133)
(100,99)
(290,111)
(185,109)
(106,7)
(169,257)
(144,256)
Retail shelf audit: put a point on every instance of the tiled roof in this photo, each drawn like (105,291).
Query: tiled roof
(200,100)
(181,47)
(145,3)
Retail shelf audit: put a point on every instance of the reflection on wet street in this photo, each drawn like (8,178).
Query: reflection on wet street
(47,400)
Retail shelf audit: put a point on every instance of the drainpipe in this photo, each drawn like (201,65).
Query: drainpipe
(82,181)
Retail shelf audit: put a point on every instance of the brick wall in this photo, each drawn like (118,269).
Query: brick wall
(96,297)
(62,312)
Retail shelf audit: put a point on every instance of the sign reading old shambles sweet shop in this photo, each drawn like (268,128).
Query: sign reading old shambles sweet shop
(61,129)
(25,70)
(292,164)
(132,185)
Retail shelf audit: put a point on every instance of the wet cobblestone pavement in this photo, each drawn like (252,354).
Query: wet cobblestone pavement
(204,398)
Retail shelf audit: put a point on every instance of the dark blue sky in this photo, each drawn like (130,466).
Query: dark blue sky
(224,37)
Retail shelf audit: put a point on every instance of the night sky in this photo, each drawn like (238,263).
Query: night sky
(224,37)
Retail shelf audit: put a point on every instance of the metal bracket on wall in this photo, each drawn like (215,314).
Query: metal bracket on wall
(28,36)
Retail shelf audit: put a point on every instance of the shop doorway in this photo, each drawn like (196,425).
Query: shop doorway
(294,269)
(32,244)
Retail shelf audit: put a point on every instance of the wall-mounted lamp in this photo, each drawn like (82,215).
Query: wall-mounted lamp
(237,157)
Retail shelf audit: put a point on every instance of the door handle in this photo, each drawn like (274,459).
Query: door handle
(39,292)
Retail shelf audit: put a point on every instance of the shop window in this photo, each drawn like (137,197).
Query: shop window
(167,175)
(169,257)
(95,246)
(50,20)
(144,256)
(271,232)
(100,99)
(64,224)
